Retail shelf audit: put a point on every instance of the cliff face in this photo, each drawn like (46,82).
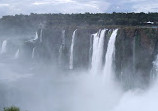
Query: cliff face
(135,52)
(136,48)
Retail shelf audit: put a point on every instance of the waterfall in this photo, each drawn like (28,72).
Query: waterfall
(154,70)
(41,35)
(33,52)
(60,54)
(63,37)
(134,56)
(90,50)
(17,54)
(109,58)
(72,50)
(62,47)
(36,37)
(98,49)
(4,47)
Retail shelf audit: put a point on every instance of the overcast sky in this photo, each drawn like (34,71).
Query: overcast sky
(11,7)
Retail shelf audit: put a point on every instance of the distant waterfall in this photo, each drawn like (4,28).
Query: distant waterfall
(4,47)
(33,52)
(90,51)
(17,54)
(134,55)
(72,50)
(62,46)
(41,35)
(98,49)
(63,37)
(60,54)
(154,71)
(36,36)
(109,58)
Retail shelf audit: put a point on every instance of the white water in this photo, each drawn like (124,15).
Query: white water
(104,96)
(94,53)
(138,100)
(33,52)
(109,58)
(17,54)
(72,50)
(4,47)
(36,37)
(98,49)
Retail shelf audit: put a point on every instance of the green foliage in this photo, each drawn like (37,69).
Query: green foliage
(22,24)
(12,108)
(87,18)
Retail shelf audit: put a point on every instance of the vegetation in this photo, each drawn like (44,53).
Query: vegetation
(30,23)
(12,108)
(87,18)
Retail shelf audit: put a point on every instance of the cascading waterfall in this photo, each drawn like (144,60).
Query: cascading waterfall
(98,49)
(94,53)
(4,47)
(36,37)
(62,47)
(17,54)
(33,52)
(109,58)
(72,50)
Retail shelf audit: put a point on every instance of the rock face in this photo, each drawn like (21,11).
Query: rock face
(136,48)
(49,49)
(135,51)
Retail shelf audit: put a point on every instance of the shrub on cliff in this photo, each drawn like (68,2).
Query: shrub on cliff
(12,108)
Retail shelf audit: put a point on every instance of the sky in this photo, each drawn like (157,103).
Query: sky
(12,7)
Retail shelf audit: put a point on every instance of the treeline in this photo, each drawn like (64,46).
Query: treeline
(87,18)
(27,23)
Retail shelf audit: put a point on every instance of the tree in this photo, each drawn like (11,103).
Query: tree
(12,108)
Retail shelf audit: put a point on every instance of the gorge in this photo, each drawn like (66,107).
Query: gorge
(79,68)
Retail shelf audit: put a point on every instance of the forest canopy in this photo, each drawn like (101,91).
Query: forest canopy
(87,18)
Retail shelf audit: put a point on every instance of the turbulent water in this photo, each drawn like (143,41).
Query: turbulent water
(43,87)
